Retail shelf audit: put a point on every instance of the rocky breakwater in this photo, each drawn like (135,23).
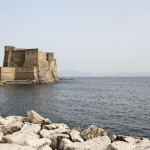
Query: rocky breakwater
(37,133)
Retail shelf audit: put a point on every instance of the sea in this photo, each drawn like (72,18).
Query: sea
(120,105)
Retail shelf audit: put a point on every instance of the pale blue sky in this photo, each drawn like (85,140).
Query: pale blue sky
(100,36)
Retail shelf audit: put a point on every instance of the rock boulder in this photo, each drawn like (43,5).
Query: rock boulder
(75,136)
(55,126)
(92,132)
(34,117)
(15,147)
(98,143)
(20,138)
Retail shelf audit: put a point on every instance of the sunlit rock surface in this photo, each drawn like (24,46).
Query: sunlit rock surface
(38,133)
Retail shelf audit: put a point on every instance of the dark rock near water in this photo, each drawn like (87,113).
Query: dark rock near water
(10,129)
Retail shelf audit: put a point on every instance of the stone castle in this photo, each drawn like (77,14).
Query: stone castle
(28,65)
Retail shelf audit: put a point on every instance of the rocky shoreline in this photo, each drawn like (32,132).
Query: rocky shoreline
(37,133)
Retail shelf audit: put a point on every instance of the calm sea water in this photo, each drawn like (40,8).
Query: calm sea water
(121,105)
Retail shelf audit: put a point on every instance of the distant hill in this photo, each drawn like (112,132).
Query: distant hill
(74,73)
(128,74)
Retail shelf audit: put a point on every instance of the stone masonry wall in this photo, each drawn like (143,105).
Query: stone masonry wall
(28,64)
(23,73)
(31,57)
(7,73)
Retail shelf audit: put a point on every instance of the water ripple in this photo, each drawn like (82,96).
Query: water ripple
(121,105)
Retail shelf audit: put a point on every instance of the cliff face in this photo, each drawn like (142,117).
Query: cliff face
(28,64)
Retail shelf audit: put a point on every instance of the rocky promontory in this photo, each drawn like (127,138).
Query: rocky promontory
(37,133)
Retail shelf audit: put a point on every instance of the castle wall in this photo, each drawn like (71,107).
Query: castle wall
(31,58)
(43,63)
(50,56)
(25,73)
(47,67)
(6,59)
(42,55)
(28,64)
(13,57)
(9,48)
(53,68)
(7,73)
(18,58)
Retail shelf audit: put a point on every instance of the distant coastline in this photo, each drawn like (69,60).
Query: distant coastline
(75,73)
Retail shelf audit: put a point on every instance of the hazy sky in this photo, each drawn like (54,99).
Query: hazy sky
(100,36)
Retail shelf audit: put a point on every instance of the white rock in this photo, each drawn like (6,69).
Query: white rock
(1,135)
(59,131)
(12,121)
(111,136)
(120,145)
(145,142)
(29,127)
(19,137)
(66,144)
(27,124)
(46,121)
(131,140)
(75,136)
(14,118)
(56,139)
(10,129)
(3,121)
(45,147)
(15,147)
(92,132)
(11,124)
(143,145)
(45,133)
(37,143)
(98,143)
(55,126)
(55,135)
(34,117)
(16,123)
(135,142)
